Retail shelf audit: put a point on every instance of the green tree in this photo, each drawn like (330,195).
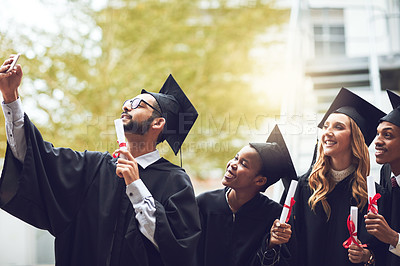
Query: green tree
(83,81)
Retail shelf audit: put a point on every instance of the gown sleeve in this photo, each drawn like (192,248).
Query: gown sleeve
(276,256)
(177,221)
(199,257)
(46,189)
(379,248)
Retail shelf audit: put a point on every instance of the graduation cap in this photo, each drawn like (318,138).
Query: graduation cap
(178,112)
(276,159)
(394,116)
(362,112)
(394,99)
(290,172)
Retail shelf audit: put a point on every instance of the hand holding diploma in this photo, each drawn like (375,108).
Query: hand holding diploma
(375,223)
(280,233)
(377,226)
(127,167)
(357,252)
(280,230)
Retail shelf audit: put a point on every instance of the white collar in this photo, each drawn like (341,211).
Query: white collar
(148,158)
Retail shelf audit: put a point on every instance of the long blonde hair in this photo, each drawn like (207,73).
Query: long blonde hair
(321,185)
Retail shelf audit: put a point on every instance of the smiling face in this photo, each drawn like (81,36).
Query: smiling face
(243,171)
(139,119)
(387,144)
(336,135)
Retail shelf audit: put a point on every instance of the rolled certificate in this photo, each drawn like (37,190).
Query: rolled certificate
(289,202)
(354,219)
(119,127)
(372,196)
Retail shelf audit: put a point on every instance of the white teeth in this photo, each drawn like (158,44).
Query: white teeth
(228,175)
(330,142)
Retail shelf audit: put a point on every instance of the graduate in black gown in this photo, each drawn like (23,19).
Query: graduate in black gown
(102,210)
(239,223)
(337,182)
(387,146)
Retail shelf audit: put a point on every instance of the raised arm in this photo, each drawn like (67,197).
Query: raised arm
(12,108)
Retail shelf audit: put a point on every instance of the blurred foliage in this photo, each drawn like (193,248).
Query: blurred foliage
(76,80)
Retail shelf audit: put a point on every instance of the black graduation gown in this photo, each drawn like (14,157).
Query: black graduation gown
(233,239)
(319,242)
(393,217)
(80,200)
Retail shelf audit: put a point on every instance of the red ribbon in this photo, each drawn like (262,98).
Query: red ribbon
(373,201)
(116,154)
(292,202)
(351,227)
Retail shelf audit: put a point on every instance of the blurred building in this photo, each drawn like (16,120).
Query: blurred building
(333,44)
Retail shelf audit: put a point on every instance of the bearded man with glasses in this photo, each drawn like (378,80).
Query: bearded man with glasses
(139,209)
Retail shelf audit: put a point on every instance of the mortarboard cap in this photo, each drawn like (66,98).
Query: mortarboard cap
(394,116)
(289,172)
(362,112)
(178,112)
(275,157)
(271,157)
(394,99)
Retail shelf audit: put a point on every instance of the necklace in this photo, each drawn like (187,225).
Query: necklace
(338,176)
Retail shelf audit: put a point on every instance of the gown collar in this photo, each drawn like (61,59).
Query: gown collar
(247,205)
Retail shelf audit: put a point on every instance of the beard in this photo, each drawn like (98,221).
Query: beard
(138,128)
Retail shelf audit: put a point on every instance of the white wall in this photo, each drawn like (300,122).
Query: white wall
(17,245)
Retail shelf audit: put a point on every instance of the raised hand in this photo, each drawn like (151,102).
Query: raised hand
(127,168)
(10,81)
(377,226)
(358,254)
(280,233)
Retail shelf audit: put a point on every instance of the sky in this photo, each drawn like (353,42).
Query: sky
(40,14)
(31,12)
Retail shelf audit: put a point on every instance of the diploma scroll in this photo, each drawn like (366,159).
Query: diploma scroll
(354,219)
(372,195)
(289,202)
(119,127)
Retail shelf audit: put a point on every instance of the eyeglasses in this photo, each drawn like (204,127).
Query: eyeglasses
(135,102)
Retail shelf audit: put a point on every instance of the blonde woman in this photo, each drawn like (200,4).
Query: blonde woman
(337,182)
